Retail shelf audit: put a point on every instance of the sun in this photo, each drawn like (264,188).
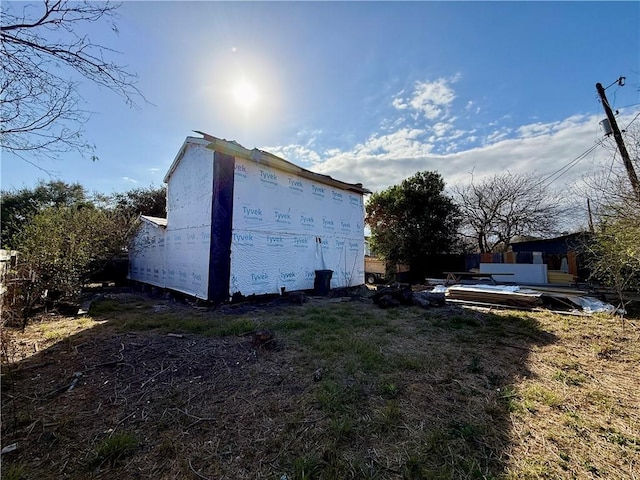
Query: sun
(245,94)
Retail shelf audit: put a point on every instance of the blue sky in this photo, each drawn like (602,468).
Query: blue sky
(366,92)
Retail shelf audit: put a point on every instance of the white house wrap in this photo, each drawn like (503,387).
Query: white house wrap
(245,221)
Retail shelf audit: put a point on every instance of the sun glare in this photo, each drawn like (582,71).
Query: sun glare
(245,94)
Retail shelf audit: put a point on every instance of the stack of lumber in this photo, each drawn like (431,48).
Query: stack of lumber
(558,276)
(512,296)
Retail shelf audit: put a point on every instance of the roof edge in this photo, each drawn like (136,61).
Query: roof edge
(178,157)
(269,159)
(155,221)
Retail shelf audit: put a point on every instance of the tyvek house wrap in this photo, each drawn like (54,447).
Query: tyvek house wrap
(177,256)
(246,222)
(285,227)
(147,253)
(189,222)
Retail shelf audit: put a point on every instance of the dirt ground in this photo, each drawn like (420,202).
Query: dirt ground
(81,390)
(404,393)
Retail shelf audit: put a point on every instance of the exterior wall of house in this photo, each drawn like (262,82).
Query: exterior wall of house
(189,194)
(285,227)
(282,227)
(147,255)
(178,257)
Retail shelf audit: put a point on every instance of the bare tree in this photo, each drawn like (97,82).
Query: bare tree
(614,250)
(505,206)
(608,187)
(43,48)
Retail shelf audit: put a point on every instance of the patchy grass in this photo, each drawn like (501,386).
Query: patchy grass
(401,394)
(111,451)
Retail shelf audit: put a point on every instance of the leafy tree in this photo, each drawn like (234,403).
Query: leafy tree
(44,48)
(142,201)
(62,246)
(18,207)
(413,220)
(506,206)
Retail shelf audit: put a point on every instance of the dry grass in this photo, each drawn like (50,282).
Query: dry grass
(163,390)
(578,415)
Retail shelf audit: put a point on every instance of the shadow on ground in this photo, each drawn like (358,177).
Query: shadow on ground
(345,390)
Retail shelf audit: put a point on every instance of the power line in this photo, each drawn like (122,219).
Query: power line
(634,119)
(564,169)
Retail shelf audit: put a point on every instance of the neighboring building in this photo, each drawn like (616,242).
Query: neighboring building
(248,222)
(564,253)
(553,246)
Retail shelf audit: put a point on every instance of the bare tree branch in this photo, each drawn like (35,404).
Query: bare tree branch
(505,206)
(40,52)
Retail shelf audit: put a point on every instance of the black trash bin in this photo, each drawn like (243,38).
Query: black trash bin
(322,282)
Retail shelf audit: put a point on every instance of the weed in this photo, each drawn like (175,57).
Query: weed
(531,468)
(341,428)
(416,468)
(542,395)
(234,327)
(509,396)
(457,322)
(336,399)
(415,363)
(619,438)
(305,468)
(465,430)
(114,449)
(389,390)
(573,379)
(292,324)
(517,403)
(54,335)
(524,325)
(576,423)
(103,307)
(591,468)
(392,330)
(371,359)
(15,471)
(389,417)
(606,351)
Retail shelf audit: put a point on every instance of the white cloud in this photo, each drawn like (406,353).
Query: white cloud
(397,151)
(534,129)
(385,160)
(299,154)
(441,128)
(400,144)
(471,106)
(429,99)
(399,104)
(497,135)
(129,179)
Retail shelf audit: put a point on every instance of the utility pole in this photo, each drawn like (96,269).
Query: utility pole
(633,178)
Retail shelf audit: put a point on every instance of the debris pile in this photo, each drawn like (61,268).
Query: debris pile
(514,296)
(394,296)
(505,296)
